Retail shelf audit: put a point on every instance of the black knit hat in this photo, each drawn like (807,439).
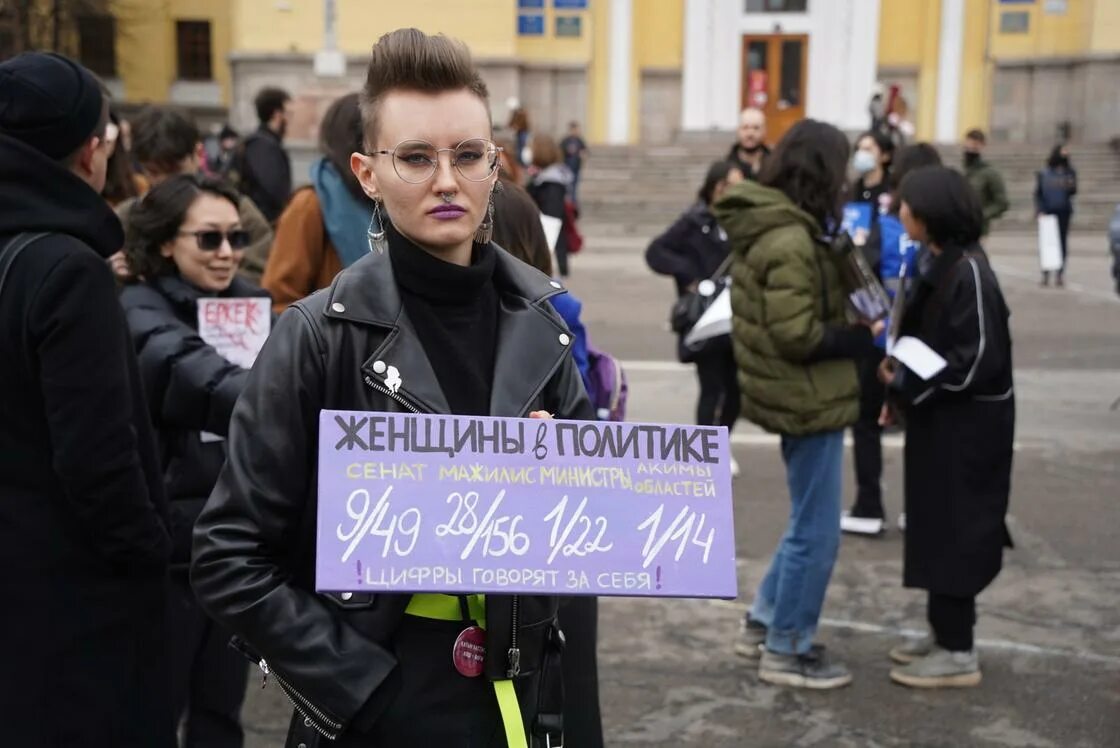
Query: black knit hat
(49,102)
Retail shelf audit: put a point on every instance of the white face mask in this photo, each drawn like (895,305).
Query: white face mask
(864,162)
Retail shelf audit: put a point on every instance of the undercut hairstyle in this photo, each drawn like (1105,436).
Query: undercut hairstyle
(977,135)
(340,134)
(158,217)
(810,166)
(162,137)
(269,101)
(943,200)
(410,60)
(517,227)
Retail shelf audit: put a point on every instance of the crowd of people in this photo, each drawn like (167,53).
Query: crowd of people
(160,500)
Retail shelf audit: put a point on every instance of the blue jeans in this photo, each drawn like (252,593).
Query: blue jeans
(791,596)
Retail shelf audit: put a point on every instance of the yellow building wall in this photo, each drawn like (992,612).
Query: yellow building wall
(901,33)
(1048,35)
(927,75)
(598,72)
(292,26)
(1104,26)
(659,34)
(974,101)
(551,48)
(146,44)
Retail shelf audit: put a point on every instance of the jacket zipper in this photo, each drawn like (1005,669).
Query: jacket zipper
(313,716)
(514,653)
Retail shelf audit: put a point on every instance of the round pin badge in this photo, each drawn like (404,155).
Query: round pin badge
(469,652)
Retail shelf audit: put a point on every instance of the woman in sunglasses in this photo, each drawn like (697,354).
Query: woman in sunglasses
(435,319)
(184,242)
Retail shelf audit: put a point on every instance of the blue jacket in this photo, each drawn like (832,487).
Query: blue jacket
(568,307)
(896,250)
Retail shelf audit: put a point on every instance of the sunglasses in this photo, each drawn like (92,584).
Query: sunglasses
(212,239)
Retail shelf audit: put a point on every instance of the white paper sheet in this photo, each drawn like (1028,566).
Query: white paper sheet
(236,328)
(552,228)
(918,357)
(1049,244)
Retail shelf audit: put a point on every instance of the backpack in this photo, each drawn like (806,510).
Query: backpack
(606,385)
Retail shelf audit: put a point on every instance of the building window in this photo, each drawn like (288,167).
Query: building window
(97,41)
(194,50)
(1014,22)
(777,6)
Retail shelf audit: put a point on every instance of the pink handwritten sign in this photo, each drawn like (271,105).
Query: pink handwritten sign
(236,328)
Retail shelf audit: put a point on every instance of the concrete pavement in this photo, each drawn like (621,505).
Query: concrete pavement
(1049,626)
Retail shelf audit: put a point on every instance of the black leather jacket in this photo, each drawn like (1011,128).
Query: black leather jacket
(254,543)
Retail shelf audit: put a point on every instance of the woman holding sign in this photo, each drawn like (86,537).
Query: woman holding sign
(436,319)
(960,424)
(185,241)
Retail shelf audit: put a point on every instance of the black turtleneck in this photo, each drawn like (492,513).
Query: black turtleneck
(455,312)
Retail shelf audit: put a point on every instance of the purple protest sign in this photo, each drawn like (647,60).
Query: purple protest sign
(458,504)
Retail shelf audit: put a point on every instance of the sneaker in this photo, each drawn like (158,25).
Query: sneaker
(752,640)
(913,649)
(940,669)
(862,525)
(734,468)
(810,670)
(902,522)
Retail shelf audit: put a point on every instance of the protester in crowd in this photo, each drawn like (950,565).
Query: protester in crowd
(872,162)
(550,188)
(519,124)
(985,179)
(265,169)
(1114,246)
(575,151)
(224,163)
(186,241)
(960,425)
(898,259)
(166,144)
(1053,196)
(517,229)
(750,150)
(83,521)
(325,226)
(796,355)
(121,181)
(695,248)
(457,327)
(902,128)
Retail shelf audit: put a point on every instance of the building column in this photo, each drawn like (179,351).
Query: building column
(950,48)
(330,62)
(619,90)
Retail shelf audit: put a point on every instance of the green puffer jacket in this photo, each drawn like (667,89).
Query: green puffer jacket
(785,293)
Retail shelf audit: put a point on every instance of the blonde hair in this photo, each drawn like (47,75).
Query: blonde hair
(410,60)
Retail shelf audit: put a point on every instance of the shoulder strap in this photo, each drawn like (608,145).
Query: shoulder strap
(723,267)
(11,250)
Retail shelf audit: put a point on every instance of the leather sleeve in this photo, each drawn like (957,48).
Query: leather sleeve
(245,538)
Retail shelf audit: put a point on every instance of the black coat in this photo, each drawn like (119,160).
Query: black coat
(266,173)
(691,250)
(191,391)
(83,536)
(355,665)
(960,426)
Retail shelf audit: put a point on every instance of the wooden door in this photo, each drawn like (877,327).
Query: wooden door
(775,79)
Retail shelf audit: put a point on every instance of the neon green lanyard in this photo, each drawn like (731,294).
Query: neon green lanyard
(446,608)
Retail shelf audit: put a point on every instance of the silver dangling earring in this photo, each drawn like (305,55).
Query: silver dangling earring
(378,241)
(485,230)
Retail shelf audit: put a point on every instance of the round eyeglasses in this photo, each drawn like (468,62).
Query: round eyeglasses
(415,161)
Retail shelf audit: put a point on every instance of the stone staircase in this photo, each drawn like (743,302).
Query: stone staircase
(640,190)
